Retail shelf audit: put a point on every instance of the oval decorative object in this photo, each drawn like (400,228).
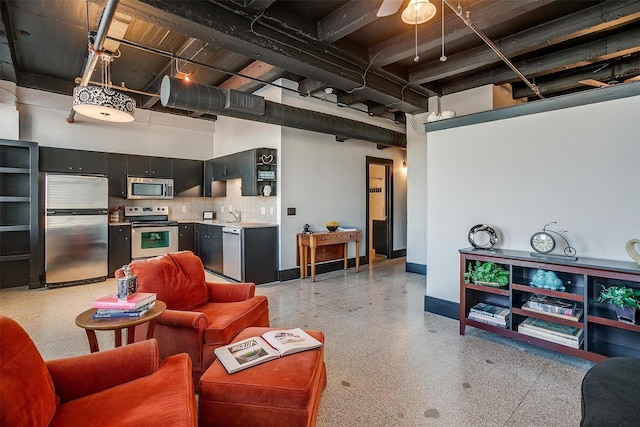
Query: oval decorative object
(482,229)
(631,250)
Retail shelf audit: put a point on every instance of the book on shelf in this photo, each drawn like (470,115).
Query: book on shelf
(490,310)
(552,305)
(489,320)
(268,346)
(577,313)
(550,337)
(551,328)
(136,300)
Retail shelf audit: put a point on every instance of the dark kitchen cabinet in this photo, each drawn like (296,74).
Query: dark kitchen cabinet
(119,247)
(186,237)
(18,214)
(260,254)
(149,167)
(188,177)
(117,174)
(258,171)
(72,161)
(209,246)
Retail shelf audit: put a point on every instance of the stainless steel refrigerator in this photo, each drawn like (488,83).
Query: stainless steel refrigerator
(75,229)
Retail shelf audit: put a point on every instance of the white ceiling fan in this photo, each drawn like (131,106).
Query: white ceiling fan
(613,81)
(389,7)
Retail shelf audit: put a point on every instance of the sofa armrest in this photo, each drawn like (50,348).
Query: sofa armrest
(230,292)
(184,319)
(78,376)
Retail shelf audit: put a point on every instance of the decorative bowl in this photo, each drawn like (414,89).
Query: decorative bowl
(332,225)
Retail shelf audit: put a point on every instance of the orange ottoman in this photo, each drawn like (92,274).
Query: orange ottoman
(282,392)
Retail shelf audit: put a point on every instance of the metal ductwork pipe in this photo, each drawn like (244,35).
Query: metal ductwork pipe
(176,93)
(101,36)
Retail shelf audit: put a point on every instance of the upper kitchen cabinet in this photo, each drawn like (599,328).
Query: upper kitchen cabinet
(188,177)
(259,172)
(117,174)
(72,161)
(18,214)
(149,167)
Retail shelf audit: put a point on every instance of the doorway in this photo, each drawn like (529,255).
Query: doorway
(379,208)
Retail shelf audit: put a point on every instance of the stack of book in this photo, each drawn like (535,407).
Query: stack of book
(553,332)
(136,305)
(490,314)
(553,307)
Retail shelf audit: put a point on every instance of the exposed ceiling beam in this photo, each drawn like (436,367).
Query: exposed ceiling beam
(604,49)
(347,19)
(45,83)
(308,86)
(484,14)
(261,41)
(254,6)
(598,18)
(7,49)
(623,69)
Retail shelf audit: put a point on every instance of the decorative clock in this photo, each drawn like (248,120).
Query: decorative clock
(544,242)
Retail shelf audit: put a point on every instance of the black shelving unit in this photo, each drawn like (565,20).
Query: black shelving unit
(18,214)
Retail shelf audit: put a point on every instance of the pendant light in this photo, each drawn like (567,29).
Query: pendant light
(418,12)
(103,102)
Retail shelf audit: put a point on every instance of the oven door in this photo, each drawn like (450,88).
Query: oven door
(153,241)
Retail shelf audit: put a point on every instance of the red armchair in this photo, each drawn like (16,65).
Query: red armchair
(125,386)
(200,316)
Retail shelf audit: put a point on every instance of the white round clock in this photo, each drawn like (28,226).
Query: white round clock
(543,242)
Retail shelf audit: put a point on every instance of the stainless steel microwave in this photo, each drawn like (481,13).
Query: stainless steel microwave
(149,188)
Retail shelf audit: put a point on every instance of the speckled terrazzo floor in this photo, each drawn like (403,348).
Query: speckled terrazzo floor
(388,362)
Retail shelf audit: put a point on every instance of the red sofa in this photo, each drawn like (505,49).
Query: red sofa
(200,316)
(125,386)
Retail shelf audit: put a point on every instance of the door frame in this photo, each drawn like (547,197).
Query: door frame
(388,164)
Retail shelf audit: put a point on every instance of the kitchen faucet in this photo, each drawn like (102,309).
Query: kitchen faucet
(236,215)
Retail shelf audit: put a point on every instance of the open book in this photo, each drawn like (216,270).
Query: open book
(269,346)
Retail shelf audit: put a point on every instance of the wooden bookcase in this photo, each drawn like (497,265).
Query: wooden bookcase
(603,335)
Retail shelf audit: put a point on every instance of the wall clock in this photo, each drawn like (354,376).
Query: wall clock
(544,242)
(482,236)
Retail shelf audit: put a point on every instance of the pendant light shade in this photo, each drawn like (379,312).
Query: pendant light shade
(418,12)
(103,103)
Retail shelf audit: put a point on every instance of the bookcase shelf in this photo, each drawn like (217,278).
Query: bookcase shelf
(602,335)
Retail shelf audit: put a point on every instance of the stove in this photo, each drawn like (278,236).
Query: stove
(152,233)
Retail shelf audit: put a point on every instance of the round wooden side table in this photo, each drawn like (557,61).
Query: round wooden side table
(86,321)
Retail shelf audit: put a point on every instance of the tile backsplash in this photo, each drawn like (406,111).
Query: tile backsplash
(250,207)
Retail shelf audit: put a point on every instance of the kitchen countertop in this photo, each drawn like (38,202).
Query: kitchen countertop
(240,224)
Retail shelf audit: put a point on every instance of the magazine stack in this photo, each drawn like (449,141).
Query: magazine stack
(553,332)
(553,307)
(490,314)
(135,306)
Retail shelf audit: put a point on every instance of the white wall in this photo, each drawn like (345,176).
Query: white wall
(42,120)
(577,166)
(9,115)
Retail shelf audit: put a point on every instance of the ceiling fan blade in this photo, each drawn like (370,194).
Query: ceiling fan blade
(389,7)
(592,82)
(633,79)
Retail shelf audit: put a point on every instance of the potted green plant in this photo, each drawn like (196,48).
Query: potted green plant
(626,301)
(487,273)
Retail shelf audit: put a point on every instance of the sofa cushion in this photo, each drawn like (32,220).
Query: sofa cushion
(177,278)
(164,398)
(27,396)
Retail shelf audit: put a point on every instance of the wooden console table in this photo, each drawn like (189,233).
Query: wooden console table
(309,242)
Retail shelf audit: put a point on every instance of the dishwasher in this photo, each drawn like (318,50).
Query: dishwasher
(232,252)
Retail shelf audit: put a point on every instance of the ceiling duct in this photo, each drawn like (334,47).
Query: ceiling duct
(176,93)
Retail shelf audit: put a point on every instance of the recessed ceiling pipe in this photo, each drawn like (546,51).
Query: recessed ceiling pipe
(176,93)
(95,49)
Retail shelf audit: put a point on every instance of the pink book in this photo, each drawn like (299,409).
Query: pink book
(136,300)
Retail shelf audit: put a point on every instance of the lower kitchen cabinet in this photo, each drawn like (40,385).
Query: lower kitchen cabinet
(260,254)
(208,246)
(119,247)
(186,237)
